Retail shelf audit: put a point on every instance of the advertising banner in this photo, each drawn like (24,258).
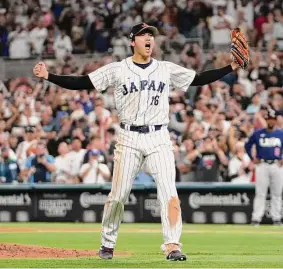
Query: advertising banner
(223,205)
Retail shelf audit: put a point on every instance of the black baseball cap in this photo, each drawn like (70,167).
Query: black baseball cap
(271,114)
(138,28)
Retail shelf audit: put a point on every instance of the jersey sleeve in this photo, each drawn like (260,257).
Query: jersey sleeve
(249,144)
(105,76)
(180,77)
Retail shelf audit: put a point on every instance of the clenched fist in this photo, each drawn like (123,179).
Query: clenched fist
(40,70)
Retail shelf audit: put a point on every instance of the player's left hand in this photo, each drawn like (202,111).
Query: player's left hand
(239,48)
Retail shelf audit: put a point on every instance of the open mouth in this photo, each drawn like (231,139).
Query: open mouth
(147,45)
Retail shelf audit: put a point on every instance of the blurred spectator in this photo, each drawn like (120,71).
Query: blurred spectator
(120,45)
(259,21)
(96,144)
(9,169)
(255,105)
(38,168)
(173,43)
(77,36)
(64,135)
(101,37)
(63,165)
(239,167)
(50,138)
(47,121)
(220,26)
(185,167)
(20,44)
(13,142)
(86,102)
(268,29)
(48,44)
(100,115)
(201,31)
(127,20)
(207,158)
(23,149)
(150,5)
(78,110)
(76,156)
(79,133)
(4,48)
(276,40)
(62,45)
(37,36)
(94,172)
(27,118)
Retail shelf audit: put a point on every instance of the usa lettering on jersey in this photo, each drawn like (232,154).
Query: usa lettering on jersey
(269,142)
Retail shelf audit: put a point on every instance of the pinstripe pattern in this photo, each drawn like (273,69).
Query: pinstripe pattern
(268,175)
(127,163)
(136,108)
(135,91)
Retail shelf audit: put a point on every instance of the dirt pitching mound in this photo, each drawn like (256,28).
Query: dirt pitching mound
(28,251)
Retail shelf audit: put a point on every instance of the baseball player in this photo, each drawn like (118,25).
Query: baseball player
(142,86)
(268,162)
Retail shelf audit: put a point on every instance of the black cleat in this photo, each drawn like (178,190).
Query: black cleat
(176,255)
(106,253)
(255,223)
(277,223)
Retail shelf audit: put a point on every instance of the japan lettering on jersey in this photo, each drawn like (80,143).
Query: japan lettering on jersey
(141,95)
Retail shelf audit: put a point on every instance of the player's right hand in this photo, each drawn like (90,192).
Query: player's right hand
(40,70)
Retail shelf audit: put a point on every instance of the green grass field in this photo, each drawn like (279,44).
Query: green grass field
(207,246)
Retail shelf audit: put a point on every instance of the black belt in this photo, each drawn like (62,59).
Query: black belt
(270,161)
(141,129)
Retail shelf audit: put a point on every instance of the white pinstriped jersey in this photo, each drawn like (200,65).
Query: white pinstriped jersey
(142,95)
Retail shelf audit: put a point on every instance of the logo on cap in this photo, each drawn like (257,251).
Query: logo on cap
(144,25)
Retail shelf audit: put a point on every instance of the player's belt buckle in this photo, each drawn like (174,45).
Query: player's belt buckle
(143,129)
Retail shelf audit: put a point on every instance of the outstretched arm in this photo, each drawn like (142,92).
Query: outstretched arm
(68,82)
(210,76)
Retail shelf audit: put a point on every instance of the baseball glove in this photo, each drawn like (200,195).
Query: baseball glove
(239,48)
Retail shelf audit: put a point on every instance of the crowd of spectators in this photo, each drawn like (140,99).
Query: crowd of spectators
(50,134)
(56,28)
